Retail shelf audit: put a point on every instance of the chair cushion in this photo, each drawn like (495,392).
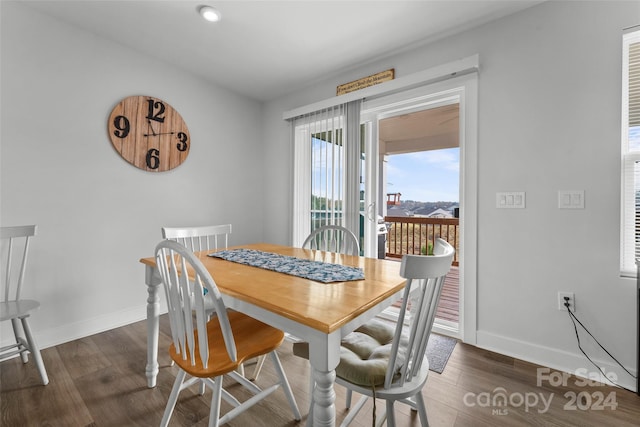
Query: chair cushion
(364,353)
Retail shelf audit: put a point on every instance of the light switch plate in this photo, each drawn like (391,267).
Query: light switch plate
(570,199)
(510,200)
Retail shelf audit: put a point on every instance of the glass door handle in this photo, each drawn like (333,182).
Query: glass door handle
(370,210)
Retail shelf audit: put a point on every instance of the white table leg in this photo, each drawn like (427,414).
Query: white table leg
(153,327)
(324,357)
(324,409)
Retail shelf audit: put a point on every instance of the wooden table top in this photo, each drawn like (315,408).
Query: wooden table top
(322,306)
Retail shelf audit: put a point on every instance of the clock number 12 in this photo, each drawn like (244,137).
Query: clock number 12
(156,110)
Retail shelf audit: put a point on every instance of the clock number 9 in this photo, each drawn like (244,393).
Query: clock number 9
(121,123)
(153,158)
(182,145)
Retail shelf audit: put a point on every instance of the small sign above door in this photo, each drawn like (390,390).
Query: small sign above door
(381,77)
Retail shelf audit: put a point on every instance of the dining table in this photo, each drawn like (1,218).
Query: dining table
(319,312)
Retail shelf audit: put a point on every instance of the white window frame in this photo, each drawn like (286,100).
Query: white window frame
(629,246)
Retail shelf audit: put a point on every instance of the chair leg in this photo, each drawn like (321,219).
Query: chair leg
(214,413)
(391,416)
(19,340)
(422,410)
(35,351)
(173,398)
(285,385)
(310,413)
(353,412)
(312,382)
(259,363)
(348,399)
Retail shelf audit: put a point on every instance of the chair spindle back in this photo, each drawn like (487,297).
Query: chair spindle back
(200,238)
(16,240)
(425,277)
(333,238)
(185,279)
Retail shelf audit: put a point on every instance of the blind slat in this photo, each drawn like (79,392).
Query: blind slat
(634,84)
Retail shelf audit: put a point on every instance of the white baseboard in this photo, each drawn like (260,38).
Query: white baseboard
(572,363)
(73,331)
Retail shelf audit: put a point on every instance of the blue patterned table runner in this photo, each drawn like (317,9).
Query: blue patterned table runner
(314,270)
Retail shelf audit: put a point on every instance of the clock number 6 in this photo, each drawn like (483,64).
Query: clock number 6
(153,114)
(153,158)
(122,125)
(182,145)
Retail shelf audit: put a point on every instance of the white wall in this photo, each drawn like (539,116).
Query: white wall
(97,214)
(549,120)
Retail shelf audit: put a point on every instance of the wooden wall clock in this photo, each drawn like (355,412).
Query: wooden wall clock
(149,133)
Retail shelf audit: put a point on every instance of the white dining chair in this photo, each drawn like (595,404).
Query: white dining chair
(200,238)
(204,238)
(388,361)
(328,238)
(209,348)
(15,247)
(333,238)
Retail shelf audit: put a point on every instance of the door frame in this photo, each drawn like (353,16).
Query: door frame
(464,91)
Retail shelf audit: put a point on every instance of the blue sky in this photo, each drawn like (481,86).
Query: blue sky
(634,138)
(426,176)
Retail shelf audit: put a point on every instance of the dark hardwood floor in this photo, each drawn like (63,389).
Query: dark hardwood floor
(99,381)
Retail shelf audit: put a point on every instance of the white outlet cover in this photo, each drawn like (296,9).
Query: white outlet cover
(510,200)
(570,199)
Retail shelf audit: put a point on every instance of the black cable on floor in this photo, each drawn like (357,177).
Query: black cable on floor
(574,319)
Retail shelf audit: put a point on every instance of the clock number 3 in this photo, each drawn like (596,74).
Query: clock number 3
(182,145)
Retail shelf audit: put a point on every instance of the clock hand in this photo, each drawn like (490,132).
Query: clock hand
(149,126)
(158,134)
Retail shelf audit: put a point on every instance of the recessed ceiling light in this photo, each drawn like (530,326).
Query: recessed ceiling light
(209,13)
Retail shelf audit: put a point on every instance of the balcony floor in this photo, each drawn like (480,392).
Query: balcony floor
(449,307)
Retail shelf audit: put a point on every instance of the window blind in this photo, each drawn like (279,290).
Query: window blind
(326,169)
(634,84)
(630,239)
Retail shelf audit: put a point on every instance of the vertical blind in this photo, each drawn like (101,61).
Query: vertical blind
(631,154)
(634,84)
(326,169)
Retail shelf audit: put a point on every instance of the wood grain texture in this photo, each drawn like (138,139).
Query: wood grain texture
(322,306)
(99,381)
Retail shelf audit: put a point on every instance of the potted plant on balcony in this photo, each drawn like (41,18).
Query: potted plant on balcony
(427,250)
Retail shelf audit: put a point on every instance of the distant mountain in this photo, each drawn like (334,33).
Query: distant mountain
(412,207)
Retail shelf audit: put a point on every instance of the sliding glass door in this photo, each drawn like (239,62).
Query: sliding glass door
(327,170)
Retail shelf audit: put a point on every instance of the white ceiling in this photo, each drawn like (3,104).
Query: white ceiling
(264,49)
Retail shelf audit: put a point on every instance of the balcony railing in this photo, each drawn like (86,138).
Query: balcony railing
(416,235)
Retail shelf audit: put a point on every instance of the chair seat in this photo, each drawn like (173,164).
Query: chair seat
(17,309)
(364,354)
(252,337)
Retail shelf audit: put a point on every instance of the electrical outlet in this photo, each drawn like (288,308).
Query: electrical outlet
(561,301)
